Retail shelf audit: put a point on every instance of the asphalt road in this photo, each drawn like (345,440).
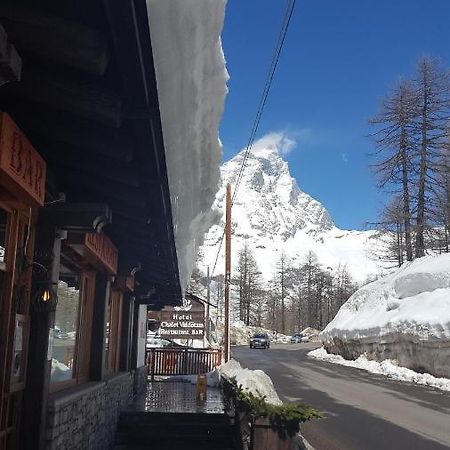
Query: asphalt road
(363,411)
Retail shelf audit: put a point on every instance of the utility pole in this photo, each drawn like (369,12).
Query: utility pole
(227,274)
(208,299)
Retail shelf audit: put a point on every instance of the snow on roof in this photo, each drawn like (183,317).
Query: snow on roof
(415,300)
(191,78)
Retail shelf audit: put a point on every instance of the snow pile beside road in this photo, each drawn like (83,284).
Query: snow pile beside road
(255,381)
(312,333)
(415,299)
(403,316)
(388,368)
(241,333)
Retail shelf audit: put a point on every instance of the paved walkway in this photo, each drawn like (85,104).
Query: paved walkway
(169,416)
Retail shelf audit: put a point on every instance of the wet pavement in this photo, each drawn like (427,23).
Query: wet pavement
(178,397)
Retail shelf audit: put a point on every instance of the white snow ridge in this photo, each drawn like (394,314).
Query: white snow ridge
(273,214)
(404,316)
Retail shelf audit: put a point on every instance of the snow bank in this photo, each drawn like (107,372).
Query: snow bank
(415,299)
(388,368)
(240,333)
(312,333)
(404,316)
(60,372)
(255,381)
(191,77)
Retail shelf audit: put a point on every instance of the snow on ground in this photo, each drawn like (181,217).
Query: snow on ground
(60,372)
(404,316)
(191,78)
(255,381)
(272,214)
(388,368)
(312,333)
(413,300)
(240,333)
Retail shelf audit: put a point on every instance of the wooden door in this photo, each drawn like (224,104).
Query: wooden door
(16,248)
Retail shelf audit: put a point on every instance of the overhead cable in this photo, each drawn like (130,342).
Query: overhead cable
(262,103)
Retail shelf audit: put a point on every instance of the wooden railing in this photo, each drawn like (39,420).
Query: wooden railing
(182,361)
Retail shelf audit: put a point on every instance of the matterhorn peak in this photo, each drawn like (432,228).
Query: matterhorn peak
(278,203)
(271,214)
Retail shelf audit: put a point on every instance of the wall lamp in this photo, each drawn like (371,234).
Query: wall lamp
(45,298)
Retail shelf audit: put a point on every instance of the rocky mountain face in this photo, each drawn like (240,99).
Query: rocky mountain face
(272,214)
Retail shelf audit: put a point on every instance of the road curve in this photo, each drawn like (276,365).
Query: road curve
(363,411)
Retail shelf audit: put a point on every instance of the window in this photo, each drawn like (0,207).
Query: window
(3,235)
(72,329)
(112,335)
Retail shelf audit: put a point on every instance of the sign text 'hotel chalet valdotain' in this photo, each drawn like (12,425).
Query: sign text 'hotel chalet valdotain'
(186,322)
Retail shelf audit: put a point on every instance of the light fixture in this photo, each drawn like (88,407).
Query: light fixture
(46,295)
(45,298)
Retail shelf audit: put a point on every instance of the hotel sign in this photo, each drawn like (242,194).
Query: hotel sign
(97,249)
(22,169)
(187,322)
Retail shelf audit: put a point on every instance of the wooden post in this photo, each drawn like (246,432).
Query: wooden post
(208,298)
(185,361)
(227,273)
(152,363)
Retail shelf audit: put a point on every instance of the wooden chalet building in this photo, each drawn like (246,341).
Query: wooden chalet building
(86,232)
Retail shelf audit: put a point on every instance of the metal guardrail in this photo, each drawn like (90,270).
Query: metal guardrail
(182,361)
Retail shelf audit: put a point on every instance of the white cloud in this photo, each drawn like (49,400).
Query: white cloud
(344,157)
(278,142)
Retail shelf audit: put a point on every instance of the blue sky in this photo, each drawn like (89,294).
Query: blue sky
(339,59)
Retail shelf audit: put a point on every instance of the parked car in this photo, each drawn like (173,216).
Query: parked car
(298,337)
(260,340)
(58,334)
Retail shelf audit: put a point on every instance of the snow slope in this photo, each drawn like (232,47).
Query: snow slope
(191,77)
(403,316)
(273,214)
(415,299)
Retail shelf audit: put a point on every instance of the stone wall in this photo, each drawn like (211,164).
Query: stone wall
(140,379)
(85,417)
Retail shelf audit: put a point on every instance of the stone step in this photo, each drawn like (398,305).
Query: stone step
(142,436)
(175,446)
(137,415)
(140,422)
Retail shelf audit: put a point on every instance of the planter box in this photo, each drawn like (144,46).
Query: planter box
(266,438)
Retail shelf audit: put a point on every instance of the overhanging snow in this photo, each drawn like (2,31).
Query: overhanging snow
(191,78)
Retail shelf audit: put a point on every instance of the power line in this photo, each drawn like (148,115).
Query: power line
(262,103)
(275,58)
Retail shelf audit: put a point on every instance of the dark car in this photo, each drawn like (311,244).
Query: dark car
(260,340)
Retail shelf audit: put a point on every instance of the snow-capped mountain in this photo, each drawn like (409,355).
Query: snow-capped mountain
(272,214)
